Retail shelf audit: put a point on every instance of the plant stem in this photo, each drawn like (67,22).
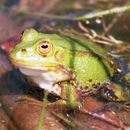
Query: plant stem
(104,13)
(79,18)
(42,112)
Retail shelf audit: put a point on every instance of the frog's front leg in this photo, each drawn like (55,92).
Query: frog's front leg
(69,95)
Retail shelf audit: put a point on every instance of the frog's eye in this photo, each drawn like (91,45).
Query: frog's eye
(44,47)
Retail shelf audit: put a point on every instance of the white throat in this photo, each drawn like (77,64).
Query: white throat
(45,79)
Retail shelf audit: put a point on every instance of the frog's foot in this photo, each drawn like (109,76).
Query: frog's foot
(57,103)
(64,103)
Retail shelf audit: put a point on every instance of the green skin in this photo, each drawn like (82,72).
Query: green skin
(83,64)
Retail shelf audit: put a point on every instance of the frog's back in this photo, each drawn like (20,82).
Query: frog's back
(87,55)
(79,43)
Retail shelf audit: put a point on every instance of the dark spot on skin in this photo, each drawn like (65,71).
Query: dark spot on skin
(90,80)
(95,86)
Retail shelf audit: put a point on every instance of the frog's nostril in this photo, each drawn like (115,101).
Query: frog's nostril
(23,50)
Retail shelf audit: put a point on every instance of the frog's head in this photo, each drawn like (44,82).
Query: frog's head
(40,51)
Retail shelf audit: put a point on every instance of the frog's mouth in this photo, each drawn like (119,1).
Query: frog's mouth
(34,66)
(31,71)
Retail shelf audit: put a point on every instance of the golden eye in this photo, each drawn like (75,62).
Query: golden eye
(44,47)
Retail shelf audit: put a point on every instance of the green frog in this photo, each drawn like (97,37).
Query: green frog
(67,65)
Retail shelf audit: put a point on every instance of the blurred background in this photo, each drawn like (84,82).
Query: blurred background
(111,32)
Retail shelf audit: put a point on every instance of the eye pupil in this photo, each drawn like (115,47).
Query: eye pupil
(44,46)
